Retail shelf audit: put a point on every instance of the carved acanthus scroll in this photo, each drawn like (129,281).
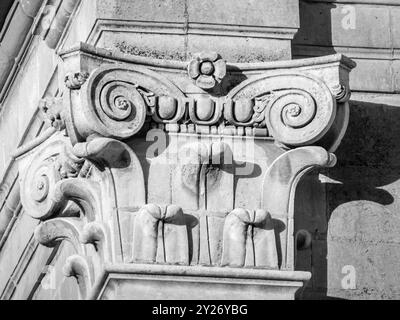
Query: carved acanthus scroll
(80,265)
(279,187)
(78,207)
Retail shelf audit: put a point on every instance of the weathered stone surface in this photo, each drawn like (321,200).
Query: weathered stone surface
(156,283)
(372,20)
(14,249)
(19,108)
(142,10)
(358,199)
(263,33)
(53,284)
(255,13)
(13,36)
(373,264)
(364,31)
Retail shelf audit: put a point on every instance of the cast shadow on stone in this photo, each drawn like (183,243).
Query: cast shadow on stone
(368,160)
(369,156)
(315,30)
(279,227)
(233,78)
(192,222)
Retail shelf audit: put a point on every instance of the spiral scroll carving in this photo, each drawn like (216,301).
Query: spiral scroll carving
(299,117)
(38,185)
(119,107)
(42,177)
(299,109)
(115,101)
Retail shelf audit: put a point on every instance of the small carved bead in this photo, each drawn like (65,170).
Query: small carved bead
(41,188)
(122,103)
(294,110)
(207,68)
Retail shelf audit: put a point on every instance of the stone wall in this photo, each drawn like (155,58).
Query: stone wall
(353,213)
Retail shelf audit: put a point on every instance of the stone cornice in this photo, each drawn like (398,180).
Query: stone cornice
(304,50)
(168,28)
(340,59)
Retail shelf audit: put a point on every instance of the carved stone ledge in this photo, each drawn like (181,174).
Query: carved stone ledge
(195,283)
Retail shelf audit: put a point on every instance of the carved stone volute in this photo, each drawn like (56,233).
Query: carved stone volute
(114,102)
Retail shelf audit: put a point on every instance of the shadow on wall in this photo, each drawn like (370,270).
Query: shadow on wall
(352,211)
(315,30)
(351,214)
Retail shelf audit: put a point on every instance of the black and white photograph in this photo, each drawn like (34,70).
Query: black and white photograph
(201,156)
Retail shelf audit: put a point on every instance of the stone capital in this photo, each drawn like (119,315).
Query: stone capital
(91,180)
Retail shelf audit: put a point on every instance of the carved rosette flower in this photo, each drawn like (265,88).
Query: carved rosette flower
(207,69)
